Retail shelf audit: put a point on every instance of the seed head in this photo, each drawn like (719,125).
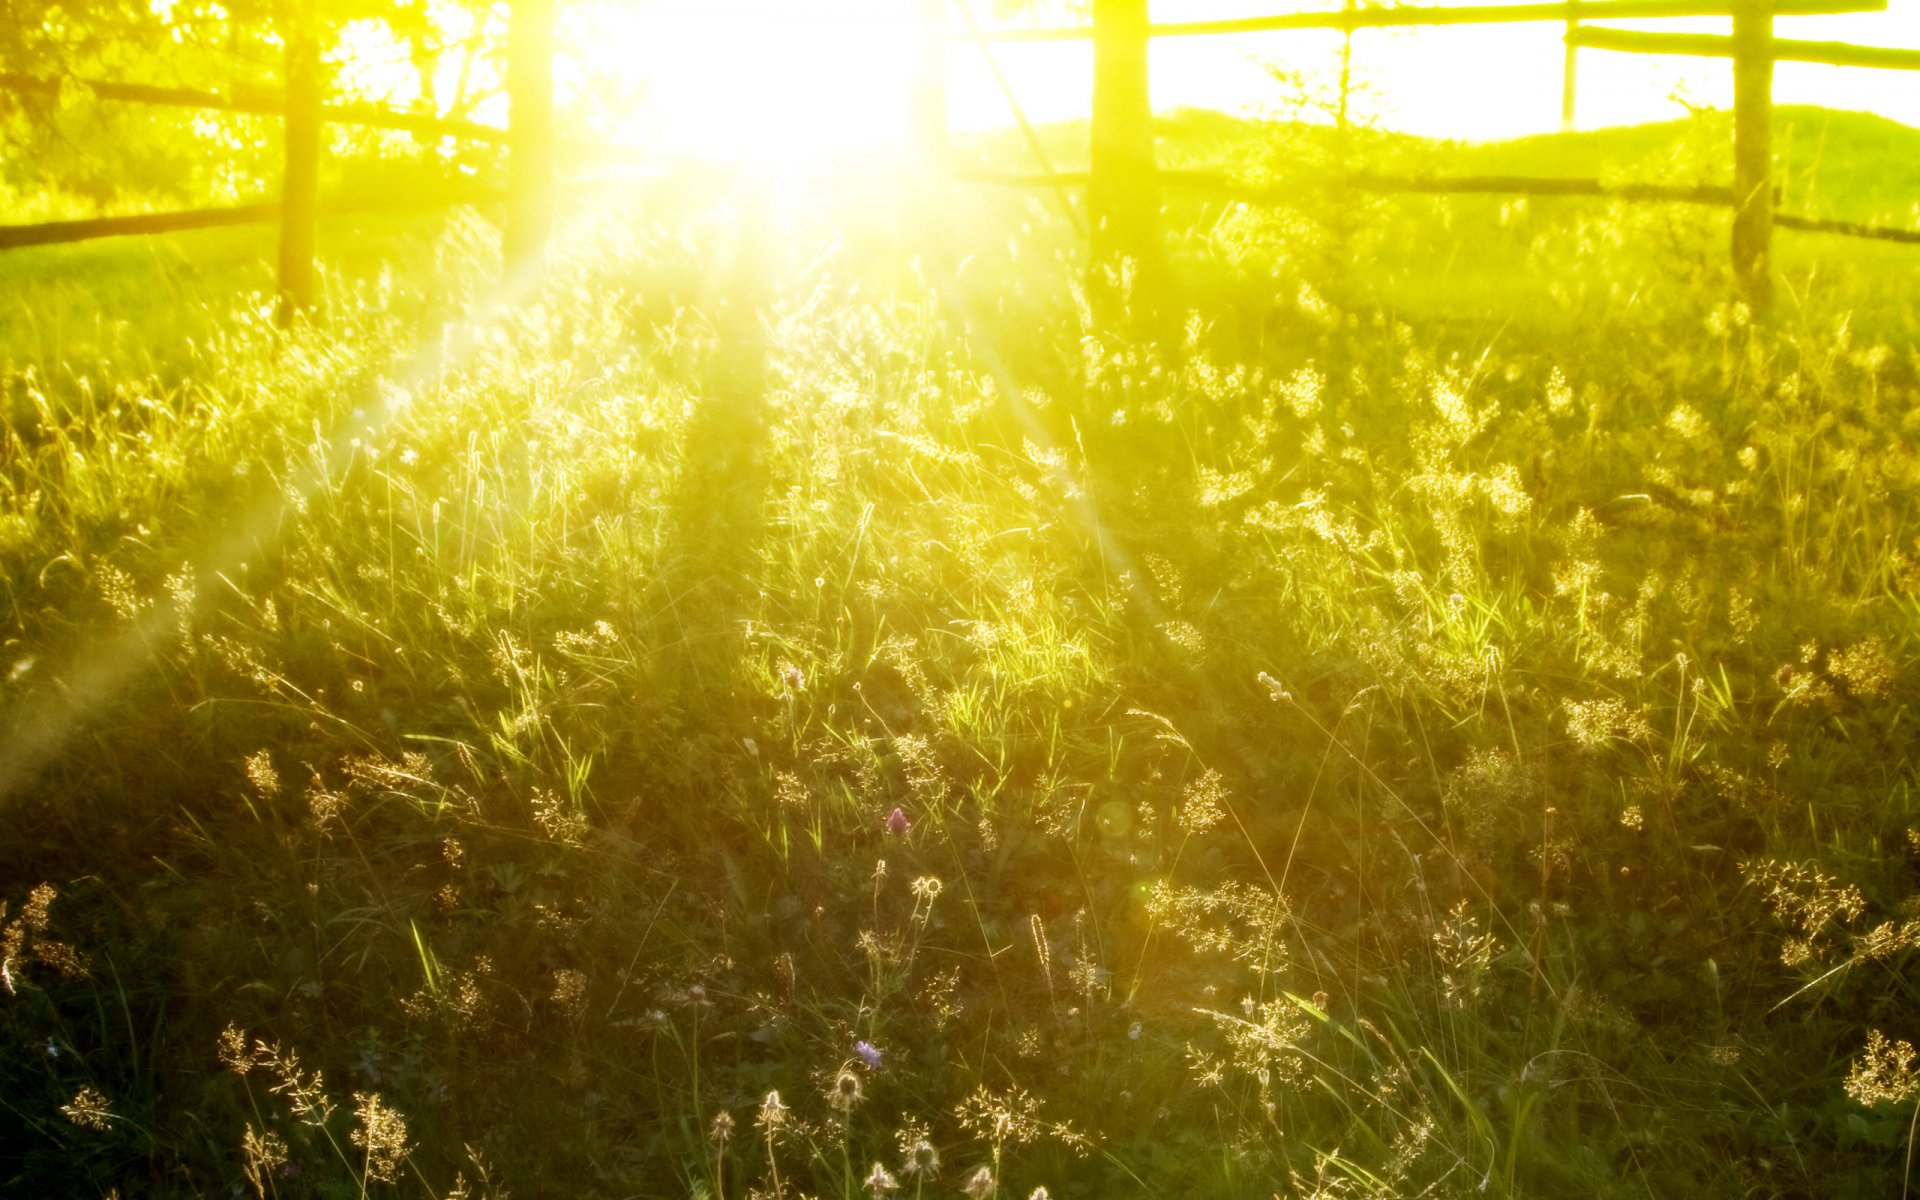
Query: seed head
(773,1113)
(980,1184)
(845,1093)
(89,1109)
(923,1161)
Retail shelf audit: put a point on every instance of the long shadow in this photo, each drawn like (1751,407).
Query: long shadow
(717,513)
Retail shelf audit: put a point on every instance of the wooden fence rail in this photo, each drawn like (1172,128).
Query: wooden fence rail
(1709,45)
(264,212)
(1708,195)
(1219,184)
(1347,20)
(262,102)
(267,212)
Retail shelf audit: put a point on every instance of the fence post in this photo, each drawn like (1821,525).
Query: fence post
(1569,72)
(530,157)
(1123,185)
(300,176)
(1753,154)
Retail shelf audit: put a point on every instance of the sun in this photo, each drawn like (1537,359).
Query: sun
(781,83)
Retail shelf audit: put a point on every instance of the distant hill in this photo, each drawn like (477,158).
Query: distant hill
(1848,165)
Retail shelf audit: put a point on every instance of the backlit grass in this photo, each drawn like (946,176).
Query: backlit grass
(1373,742)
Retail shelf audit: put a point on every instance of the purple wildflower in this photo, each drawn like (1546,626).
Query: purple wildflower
(869,1054)
(897,823)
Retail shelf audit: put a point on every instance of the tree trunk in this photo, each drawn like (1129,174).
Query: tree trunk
(1753,154)
(1127,271)
(530,158)
(300,177)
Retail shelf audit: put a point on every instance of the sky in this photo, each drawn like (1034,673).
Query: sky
(1468,82)
(802,77)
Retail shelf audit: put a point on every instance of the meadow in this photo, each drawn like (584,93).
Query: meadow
(773,710)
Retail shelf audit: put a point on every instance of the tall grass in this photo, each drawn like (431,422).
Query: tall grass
(816,726)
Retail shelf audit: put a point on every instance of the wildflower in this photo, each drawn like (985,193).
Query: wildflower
(922,1159)
(721,1130)
(880,1181)
(869,1054)
(980,1184)
(845,1093)
(897,823)
(773,1113)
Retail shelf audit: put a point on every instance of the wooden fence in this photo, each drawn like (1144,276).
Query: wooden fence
(302,106)
(1123,182)
(1752,48)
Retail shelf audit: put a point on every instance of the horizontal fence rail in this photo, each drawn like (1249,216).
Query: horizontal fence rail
(1540,185)
(1348,20)
(266,212)
(1882,233)
(1709,45)
(1708,195)
(47,233)
(258,102)
(1432,185)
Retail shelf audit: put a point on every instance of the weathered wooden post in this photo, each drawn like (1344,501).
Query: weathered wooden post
(1569,71)
(1123,186)
(300,176)
(530,148)
(1753,154)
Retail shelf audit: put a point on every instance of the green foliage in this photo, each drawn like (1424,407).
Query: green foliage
(451,748)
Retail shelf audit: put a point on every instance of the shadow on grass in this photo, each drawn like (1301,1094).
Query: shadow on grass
(718,507)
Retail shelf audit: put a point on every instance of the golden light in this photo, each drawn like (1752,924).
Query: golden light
(782,85)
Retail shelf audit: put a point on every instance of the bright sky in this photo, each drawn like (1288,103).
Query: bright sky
(796,78)
(1493,81)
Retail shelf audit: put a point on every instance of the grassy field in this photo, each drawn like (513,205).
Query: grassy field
(760,712)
